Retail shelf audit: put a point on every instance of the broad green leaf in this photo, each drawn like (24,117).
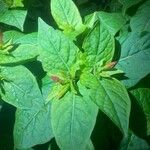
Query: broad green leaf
(99,45)
(142,95)
(20,87)
(57,52)
(112,99)
(133,142)
(113,22)
(141,20)
(66,15)
(135,58)
(14,18)
(33,126)
(128,3)
(73,119)
(21,54)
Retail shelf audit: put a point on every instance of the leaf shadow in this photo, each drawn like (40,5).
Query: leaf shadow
(138,122)
(106,135)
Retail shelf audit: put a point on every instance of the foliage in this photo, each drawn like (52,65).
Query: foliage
(75,71)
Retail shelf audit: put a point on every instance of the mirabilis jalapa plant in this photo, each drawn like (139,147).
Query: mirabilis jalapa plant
(82,75)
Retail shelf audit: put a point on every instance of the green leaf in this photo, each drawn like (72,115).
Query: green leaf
(99,45)
(13,3)
(14,18)
(89,80)
(47,84)
(20,87)
(135,58)
(142,95)
(128,3)
(3,7)
(57,52)
(112,99)
(90,20)
(73,119)
(113,22)
(17,3)
(14,35)
(133,142)
(21,54)
(28,39)
(123,34)
(33,117)
(33,126)
(90,145)
(141,20)
(8,2)
(66,15)
(20,38)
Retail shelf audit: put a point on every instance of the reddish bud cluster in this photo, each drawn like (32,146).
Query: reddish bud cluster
(111,64)
(56,79)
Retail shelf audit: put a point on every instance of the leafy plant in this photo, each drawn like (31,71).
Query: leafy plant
(85,70)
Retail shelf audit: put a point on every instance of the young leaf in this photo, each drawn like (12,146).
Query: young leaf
(112,99)
(57,52)
(73,119)
(135,58)
(89,80)
(90,20)
(142,95)
(113,22)
(141,20)
(66,15)
(14,18)
(99,45)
